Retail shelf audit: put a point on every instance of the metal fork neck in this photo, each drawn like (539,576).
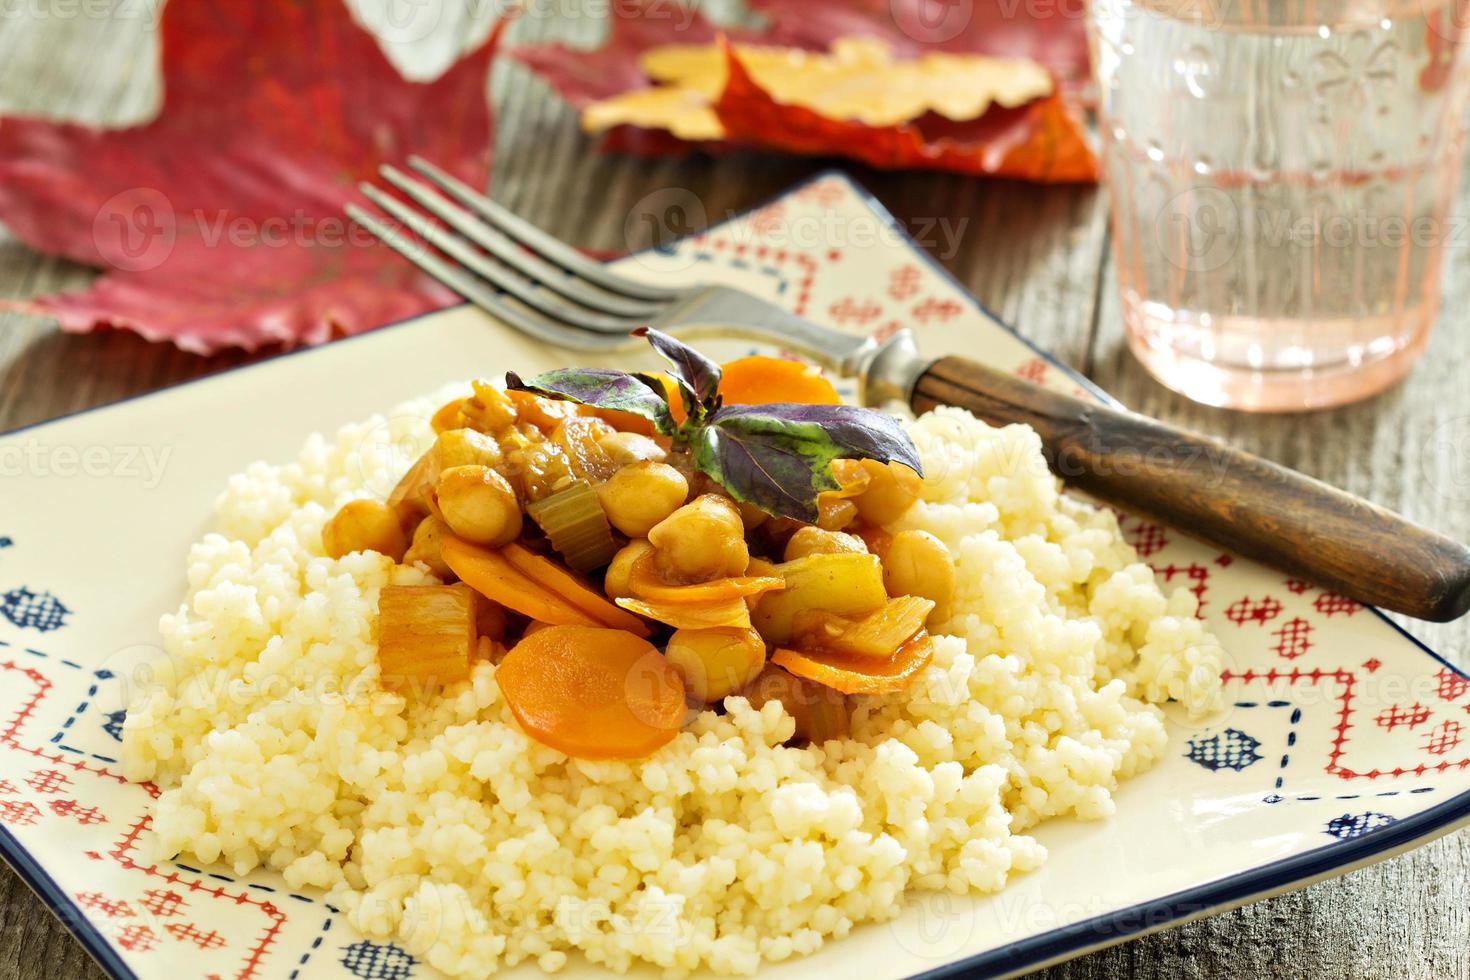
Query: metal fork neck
(886,369)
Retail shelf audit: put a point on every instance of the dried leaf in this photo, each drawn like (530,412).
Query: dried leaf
(858,81)
(220,222)
(1041,139)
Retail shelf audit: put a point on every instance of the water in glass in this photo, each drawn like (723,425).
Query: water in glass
(1282,174)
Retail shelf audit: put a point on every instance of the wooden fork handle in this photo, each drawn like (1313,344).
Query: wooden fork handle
(1229,498)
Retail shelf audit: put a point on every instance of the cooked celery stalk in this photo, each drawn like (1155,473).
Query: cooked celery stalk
(573,520)
(426,634)
(877,634)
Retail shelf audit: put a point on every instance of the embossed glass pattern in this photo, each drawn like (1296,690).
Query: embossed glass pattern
(1282,175)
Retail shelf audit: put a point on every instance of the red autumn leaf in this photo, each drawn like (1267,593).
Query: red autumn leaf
(1042,140)
(220,222)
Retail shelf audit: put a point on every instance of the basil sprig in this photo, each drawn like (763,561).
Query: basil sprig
(777,457)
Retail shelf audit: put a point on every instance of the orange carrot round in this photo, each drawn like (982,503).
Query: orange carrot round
(760,380)
(856,674)
(592,693)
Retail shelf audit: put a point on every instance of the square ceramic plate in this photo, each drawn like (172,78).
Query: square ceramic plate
(1343,744)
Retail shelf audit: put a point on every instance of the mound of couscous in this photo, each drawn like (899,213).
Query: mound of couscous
(437,822)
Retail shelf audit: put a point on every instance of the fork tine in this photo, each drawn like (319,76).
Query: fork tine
(552,249)
(527,321)
(510,282)
(530,265)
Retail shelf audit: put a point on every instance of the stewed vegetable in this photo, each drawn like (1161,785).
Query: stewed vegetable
(626,554)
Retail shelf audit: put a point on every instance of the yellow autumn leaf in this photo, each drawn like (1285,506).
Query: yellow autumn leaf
(857,80)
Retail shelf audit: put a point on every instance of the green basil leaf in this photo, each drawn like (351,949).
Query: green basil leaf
(602,388)
(779,457)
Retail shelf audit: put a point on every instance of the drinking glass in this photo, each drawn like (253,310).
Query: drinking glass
(1282,174)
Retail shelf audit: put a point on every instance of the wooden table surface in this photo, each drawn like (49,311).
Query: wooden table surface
(1039,256)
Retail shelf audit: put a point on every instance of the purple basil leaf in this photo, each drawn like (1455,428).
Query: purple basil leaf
(779,457)
(602,388)
(694,372)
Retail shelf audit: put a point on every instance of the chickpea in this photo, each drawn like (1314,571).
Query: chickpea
(716,662)
(425,547)
(478,505)
(893,490)
(465,447)
(615,581)
(815,541)
(702,540)
(835,513)
(364,525)
(640,495)
(630,447)
(919,564)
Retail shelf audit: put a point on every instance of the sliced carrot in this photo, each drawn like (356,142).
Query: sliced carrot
(860,675)
(488,572)
(645,583)
(567,585)
(688,616)
(760,380)
(592,693)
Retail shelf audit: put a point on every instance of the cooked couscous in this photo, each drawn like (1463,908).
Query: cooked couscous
(437,821)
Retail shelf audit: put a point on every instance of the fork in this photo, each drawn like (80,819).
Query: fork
(1229,498)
